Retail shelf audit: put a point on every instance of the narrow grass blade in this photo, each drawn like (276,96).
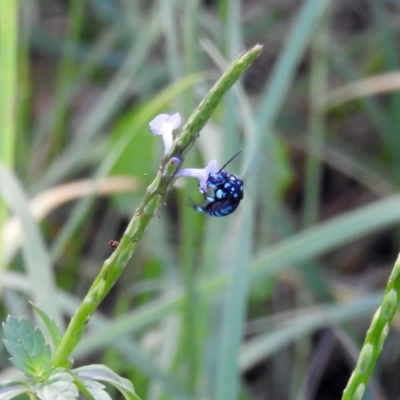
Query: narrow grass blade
(273,97)
(8,90)
(235,304)
(317,128)
(285,67)
(36,257)
(238,238)
(8,78)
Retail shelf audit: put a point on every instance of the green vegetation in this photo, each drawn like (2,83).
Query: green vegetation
(271,302)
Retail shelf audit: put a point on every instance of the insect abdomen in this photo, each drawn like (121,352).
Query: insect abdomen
(219,209)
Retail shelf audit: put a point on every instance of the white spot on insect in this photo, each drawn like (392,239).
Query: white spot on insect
(219,194)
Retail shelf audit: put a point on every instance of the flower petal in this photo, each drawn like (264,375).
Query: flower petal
(164,124)
(175,120)
(201,174)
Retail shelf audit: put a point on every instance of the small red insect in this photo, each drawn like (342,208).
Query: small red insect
(113,244)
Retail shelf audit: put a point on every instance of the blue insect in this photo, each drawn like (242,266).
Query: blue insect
(227,193)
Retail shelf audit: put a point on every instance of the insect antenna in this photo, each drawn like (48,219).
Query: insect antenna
(231,159)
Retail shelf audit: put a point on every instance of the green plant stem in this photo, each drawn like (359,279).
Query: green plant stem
(189,350)
(375,338)
(8,79)
(154,196)
(316,136)
(8,91)
(67,74)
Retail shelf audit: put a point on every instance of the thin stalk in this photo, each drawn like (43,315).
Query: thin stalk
(375,338)
(318,88)
(67,73)
(8,90)
(153,198)
(191,39)
(191,344)
(230,14)
(8,78)
(174,62)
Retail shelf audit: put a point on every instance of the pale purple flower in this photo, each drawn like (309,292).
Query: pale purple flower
(201,174)
(164,124)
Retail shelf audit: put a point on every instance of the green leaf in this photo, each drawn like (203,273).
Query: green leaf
(105,374)
(60,386)
(51,326)
(27,346)
(11,389)
(93,389)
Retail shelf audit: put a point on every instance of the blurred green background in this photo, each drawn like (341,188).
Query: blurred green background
(271,302)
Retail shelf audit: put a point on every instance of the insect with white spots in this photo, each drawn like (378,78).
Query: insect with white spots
(227,193)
